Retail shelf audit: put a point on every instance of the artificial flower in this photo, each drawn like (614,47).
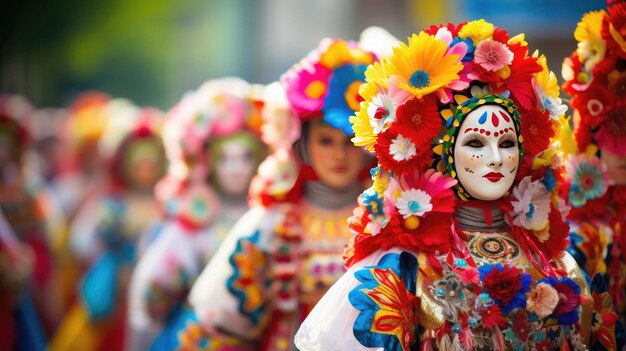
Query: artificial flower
(423,66)
(612,133)
(281,127)
(478,31)
(613,26)
(414,202)
(419,120)
(435,184)
(591,45)
(537,131)
(506,285)
(531,204)
(342,98)
(492,317)
(492,55)
(542,300)
(363,131)
(569,299)
(338,53)
(381,112)
(453,29)
(516,79)
(521,325)
(468,276)
(587,178)
(547,90)
(306,88)
(398,153)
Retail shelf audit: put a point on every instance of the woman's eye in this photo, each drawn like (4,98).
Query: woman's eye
(507,144)
(474,143)
(325,141)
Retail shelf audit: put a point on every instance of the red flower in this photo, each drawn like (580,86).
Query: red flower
(558,240)
(492,317)
(536,131)
(521,325)
(432,30)
(420,159)
(616,17)
(519,81)
(503,284)
(468,276)
(572,86)
(500,35)
(419,120)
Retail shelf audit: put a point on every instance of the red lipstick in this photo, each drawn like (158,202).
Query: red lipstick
(493,177)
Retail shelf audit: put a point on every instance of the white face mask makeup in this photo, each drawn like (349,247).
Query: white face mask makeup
(486,153)
(234,168)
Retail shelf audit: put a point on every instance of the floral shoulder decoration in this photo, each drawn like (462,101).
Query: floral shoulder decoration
(249,280)
(387,304)
(425,88)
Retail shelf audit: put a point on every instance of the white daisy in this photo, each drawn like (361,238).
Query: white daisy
(531,204)
(382,112)
(414,202)
(402,149)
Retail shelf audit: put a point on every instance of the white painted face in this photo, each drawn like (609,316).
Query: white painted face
(234,167)
(486,153)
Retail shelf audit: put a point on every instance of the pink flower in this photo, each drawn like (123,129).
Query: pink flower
(306,87)
(492,55)
(542,300)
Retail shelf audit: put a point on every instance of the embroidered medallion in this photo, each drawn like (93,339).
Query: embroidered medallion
(493,248)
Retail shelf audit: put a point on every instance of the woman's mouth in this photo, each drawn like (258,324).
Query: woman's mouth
(339,169)
(493,177)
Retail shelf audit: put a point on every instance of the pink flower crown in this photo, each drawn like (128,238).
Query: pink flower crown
(325,84)
(595,77)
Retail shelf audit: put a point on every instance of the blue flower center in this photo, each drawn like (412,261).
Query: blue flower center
(419,79)
(414,206)
(531,210)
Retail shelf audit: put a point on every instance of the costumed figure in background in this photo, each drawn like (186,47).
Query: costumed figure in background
(466,252)
(595,77)
(26,315)
(212,141)
(105,232)
(283,254)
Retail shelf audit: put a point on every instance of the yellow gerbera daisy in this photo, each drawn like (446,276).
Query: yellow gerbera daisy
(546,79)
(477,30)
(423,66)
(591,46)
(376,78)
(339,53)
(363,131)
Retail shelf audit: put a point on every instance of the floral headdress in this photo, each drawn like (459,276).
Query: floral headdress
(324,85)
(425,89)
(595,77)
(219,108)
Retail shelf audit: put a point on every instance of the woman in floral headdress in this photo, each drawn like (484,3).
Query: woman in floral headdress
(467,252)
(26,265)
(212,142)
(105,231)
(284,253)
(595,78)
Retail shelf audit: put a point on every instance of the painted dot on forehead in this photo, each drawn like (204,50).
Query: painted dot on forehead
(483,118)
(504,116)
(494,119)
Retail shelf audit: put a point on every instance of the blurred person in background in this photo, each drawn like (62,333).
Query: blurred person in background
(595,77)
(27,314)
(105,231)
(284,253)
(213,145)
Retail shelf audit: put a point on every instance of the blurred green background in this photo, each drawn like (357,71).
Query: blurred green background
(152,51)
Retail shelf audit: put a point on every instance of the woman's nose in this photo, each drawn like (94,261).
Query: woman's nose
(494,159)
